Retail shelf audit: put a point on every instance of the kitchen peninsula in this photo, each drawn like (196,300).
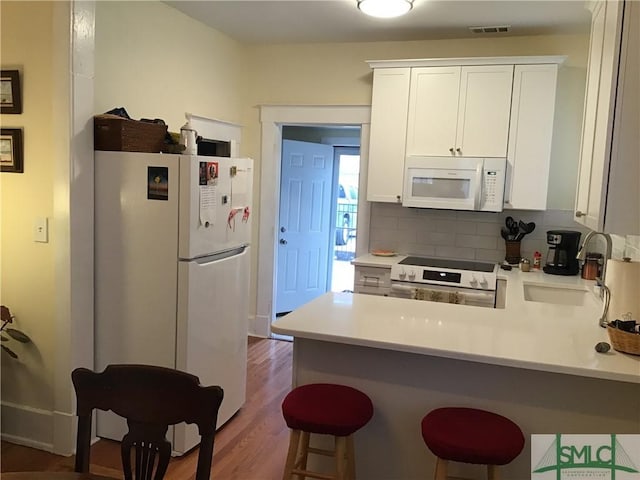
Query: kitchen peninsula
(531,361)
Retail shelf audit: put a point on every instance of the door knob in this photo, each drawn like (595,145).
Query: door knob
(283,241)
(282,229)
(580,214)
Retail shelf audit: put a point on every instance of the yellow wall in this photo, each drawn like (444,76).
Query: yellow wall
(158,63)
(337,74)
(27,268)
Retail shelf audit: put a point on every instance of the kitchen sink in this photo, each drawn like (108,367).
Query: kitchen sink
(555,294)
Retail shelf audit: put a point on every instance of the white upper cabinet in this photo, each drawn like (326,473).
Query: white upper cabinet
(389,105)
(459,111)
(607,191)
(530,135)
(452,107)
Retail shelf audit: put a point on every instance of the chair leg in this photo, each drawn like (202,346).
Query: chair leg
(441,469)
(294,441)
(303,453)
(492,472)
(351,458)
(342,459)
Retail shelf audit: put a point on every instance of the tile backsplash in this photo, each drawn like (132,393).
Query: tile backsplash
(628,246)
(464,235)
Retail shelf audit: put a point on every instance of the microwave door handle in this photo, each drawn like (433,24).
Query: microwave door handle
(478,197)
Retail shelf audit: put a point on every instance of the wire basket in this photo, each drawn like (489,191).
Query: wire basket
(114,133)
(625,342)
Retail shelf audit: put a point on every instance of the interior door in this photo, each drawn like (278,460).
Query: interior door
(304,224)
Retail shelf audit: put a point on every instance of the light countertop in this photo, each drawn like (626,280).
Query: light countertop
(525,334)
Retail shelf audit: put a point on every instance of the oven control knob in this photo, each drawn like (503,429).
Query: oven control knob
(402,274)
(474,281)
(484,283)
(412,275)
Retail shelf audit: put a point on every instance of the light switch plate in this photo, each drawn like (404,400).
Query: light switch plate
(41,230)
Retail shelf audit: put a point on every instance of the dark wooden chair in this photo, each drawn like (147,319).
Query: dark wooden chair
(151,399)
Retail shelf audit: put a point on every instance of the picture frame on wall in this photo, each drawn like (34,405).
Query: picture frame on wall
(11,152)
(10,94)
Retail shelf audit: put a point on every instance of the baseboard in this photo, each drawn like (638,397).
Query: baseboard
(28,426)
(64,433)
(260,326)
(53,432)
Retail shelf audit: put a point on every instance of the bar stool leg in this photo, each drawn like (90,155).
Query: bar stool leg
(492,472)
(351,458)
(294,441)
(303,452)
(342,459)
(441,469)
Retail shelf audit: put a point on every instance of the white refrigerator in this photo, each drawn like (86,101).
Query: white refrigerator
(172,237)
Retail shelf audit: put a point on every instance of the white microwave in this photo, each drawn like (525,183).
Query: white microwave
(462,183)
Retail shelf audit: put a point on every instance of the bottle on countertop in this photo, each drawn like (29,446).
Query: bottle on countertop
(537,258)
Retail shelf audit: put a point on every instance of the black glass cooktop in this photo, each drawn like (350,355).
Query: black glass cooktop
(446,263)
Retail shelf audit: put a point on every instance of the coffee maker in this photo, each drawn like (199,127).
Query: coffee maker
(563,249)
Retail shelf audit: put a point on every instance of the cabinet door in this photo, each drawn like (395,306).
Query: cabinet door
(598,114)
(623,195)
(530,135)
(433,111)
(389,105)
(483,112)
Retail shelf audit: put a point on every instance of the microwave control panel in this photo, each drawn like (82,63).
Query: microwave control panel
(493,184)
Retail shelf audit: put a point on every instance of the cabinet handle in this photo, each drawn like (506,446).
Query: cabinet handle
(459,150)
(580,214)
(398,198)
(451,149)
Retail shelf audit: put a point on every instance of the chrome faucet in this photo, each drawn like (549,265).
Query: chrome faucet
(582,253)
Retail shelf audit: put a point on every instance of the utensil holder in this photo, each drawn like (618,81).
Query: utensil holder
(512,248)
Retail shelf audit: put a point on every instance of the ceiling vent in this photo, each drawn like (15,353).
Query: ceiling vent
(498,29)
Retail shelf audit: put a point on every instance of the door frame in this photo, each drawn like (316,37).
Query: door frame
(272,118)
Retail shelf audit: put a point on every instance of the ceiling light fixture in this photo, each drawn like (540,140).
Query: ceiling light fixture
(385,8)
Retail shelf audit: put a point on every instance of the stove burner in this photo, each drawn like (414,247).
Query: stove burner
(446,263)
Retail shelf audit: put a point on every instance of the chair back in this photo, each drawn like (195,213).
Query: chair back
(150,398)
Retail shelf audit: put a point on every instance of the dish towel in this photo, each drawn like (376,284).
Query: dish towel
(438,296)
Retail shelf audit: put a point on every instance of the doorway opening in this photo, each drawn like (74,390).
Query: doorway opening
(318,212)
(347,162)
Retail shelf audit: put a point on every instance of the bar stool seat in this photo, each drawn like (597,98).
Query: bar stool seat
(327,409)
(470,435)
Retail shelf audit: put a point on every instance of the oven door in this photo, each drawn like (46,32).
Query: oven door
(451,183)
(439,293)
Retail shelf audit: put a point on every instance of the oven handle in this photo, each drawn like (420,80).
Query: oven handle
(407,289)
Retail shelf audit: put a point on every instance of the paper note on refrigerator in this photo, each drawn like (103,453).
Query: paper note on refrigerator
(208,204)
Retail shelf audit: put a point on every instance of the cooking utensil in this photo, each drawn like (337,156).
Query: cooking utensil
(504,233)
(512,225)
(525,229)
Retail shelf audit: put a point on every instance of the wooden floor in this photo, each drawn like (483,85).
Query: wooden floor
(252,446)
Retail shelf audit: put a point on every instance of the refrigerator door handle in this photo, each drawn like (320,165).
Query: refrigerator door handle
(218,256)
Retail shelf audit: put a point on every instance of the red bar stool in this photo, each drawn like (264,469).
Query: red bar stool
(325,409)
(469,435)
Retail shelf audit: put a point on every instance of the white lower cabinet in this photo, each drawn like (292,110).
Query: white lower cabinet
(372,280)
(530,135)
